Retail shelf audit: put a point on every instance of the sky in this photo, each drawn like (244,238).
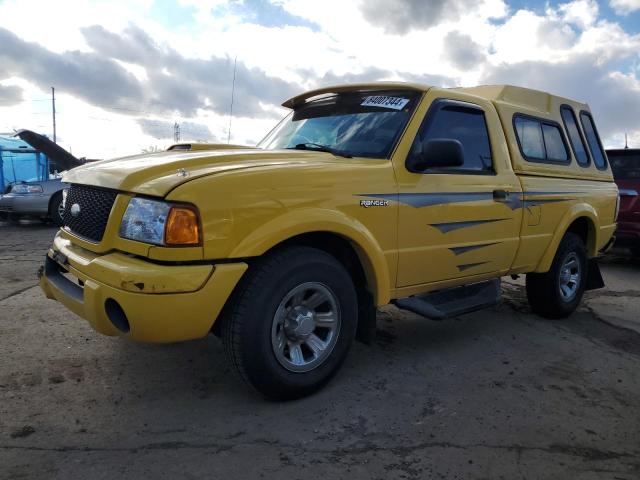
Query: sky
(126,71)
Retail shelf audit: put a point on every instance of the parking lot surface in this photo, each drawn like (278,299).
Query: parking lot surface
(494,394)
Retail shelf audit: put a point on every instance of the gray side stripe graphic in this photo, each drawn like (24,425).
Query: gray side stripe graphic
(418,200)
(514,200)
(461,250)
(551,193)
(448,227)
(532,203)
(467,266)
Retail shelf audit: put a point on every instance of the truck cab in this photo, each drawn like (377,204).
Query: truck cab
(625,164)
(363,195)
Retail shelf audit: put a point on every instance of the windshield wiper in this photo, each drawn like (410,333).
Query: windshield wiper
(321,148)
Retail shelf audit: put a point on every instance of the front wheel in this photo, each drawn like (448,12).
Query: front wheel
(289,326)
(557,293)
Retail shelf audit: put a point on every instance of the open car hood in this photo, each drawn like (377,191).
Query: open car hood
(63,160)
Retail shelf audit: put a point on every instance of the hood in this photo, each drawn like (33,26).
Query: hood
(63,160)
(157,174)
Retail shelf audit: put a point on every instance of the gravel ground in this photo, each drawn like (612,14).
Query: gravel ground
(493,394)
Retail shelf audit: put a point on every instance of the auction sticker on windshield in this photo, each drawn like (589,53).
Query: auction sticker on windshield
(395,103)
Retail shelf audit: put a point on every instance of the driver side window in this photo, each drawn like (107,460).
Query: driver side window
(448,119)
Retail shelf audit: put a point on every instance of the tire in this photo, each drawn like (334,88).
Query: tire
(269,324)
(55,209)
(558,292)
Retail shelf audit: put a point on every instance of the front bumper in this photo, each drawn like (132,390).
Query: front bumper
(25,204)
(161,303)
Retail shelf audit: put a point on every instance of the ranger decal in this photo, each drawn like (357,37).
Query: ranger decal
(374,203)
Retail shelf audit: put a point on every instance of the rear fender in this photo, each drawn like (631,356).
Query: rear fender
(576,211)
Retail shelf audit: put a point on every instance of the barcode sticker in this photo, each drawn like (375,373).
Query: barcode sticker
(395,103)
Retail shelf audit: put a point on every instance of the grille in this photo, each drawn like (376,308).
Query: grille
(89,219)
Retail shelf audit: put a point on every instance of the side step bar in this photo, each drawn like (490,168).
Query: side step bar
(453,301)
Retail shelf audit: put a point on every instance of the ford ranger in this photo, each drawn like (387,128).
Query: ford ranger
(363,195)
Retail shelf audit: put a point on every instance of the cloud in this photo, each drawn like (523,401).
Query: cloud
(582,13)
(376,74)
(614,97)
(265,13)
(173,83)
(555,35)
(86,75)
(462,51)
(10,95)
(625,7)
(163,130)
(401,16)
(181,84)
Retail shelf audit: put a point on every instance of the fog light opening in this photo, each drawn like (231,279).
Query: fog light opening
(116,315)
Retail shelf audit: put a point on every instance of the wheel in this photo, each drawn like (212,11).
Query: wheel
(56,209)
(289,326)
(557,293)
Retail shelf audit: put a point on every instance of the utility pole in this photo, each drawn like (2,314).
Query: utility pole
(626,142)
(233,91)
(176,132)
(53,109)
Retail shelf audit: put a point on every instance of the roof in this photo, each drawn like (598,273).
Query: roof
(518,96)
(526,98)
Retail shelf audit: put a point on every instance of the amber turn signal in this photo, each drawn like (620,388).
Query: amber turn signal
(182,227)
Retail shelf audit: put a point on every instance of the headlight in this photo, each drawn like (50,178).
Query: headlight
(26,188)
(160,223)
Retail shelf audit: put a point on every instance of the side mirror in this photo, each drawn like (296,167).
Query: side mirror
(437,153)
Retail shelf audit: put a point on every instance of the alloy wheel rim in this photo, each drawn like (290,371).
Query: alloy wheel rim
(570,277)
(61,210)
(305,327)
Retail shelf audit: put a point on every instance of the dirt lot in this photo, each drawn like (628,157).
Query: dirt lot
(495,394)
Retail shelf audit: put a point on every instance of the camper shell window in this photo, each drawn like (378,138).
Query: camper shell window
(540,140)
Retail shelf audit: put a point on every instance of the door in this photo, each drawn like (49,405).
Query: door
(464,221)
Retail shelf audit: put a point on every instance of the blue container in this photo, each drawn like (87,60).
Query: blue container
(19,162)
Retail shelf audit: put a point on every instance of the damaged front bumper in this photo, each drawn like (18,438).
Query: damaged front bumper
(123,295)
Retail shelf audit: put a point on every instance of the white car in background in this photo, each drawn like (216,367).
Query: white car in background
(28,187)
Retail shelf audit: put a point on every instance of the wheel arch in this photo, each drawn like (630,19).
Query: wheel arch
(329,230)
(581,219)
(52,197)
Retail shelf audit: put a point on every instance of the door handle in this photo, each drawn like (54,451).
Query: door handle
(499,195)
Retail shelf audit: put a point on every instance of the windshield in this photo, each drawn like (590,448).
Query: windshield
(352,124)
(16,166)
(625,164)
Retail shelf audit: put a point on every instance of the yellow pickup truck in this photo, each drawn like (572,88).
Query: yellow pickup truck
(363,195)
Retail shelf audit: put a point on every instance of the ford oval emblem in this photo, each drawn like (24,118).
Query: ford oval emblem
(75,210)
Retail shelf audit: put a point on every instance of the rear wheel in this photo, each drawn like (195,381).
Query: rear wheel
(289,326)
(557,293)
(56,209)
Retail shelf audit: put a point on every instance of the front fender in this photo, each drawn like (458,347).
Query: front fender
(576,211)
(310,220)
